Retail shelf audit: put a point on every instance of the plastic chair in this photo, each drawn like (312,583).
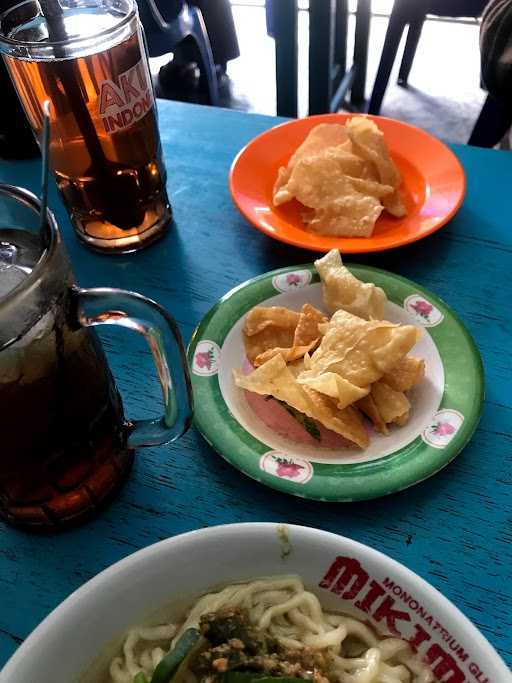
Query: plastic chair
(412,13)
(173,23)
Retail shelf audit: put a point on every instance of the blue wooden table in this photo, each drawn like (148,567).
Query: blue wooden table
(455,529)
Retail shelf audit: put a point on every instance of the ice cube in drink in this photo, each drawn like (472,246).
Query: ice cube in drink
(17,258)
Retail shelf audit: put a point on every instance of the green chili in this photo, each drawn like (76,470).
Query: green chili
(167,668)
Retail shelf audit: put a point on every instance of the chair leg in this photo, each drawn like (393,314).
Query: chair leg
(269,19)
(321,54)
(363,16)
(413,38)
(340,37)
(208,73)
(285,26)
(493,122)
(396,26)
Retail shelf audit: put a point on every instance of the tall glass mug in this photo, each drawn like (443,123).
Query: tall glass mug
(65,446)
(90,62)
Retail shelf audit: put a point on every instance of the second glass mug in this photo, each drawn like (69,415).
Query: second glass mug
(91,64)
(65,445)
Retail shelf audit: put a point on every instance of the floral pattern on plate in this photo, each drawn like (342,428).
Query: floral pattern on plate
(206,358)
(285,282)
(444,426)
(281,465)
(423,312)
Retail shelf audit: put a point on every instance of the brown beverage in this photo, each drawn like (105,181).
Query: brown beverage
(105,145)
(65,446)
(62,444)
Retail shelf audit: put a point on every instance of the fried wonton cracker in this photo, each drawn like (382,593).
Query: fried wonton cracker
(288,354)
(351,215)
(392,405)
(275,378)
(360,351)
(385,406)
(280,193)
(319,181)
(345,174)
(270,316)
(368,406)
(331,384)
(406,373)
(306,337)
(346,421)
(370,188)
(320,138)
(268,328)
(402,420)
(307,327)
(368,142)
(343,290)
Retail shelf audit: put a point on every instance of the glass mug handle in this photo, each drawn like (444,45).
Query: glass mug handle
(107,306)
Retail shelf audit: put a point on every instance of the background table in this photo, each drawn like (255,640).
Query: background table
(455,529)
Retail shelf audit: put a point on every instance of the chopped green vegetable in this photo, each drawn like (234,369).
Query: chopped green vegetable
(311,428)
(140,678)
(308,424)
(165,671)
(222,627)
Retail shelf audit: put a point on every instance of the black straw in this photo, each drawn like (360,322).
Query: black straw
(70,77)
(54,15)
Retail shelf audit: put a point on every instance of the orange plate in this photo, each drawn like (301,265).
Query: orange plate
(433,186)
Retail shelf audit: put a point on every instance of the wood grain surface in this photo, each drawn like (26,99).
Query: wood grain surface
(455,529)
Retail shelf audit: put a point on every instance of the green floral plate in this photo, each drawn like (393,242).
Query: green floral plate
(445,405)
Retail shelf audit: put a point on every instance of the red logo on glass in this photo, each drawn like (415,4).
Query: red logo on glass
(124,104)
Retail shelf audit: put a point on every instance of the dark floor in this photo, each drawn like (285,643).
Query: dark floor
(444,96)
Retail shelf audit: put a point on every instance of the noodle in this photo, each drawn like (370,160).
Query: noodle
(281,608)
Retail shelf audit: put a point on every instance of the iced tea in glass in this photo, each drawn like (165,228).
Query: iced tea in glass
(65,444)
(90,63)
